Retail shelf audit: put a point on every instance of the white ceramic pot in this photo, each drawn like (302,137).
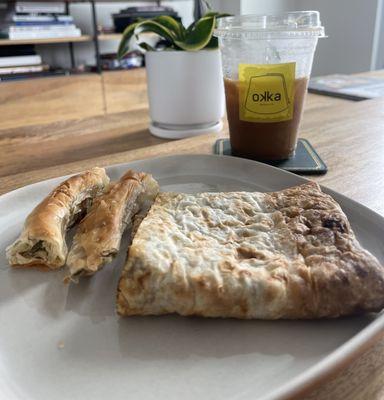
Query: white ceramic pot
(185,92)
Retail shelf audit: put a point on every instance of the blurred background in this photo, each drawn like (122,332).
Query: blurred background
(354,28)
(75,42)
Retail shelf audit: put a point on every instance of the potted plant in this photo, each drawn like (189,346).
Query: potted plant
(185,83)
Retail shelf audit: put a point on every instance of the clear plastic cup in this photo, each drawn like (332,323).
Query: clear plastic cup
(267,61)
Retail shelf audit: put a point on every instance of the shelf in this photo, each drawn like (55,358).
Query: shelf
(87,1)
(8,42)
(109,36)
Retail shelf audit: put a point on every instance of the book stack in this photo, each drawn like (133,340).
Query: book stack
(20,61)
(351,87)
(41,20)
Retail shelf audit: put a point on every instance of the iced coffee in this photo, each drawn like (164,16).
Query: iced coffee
(263,139)
(266,64)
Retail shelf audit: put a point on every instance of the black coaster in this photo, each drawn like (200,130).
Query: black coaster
(305,161)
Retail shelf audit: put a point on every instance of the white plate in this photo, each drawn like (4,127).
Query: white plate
(59,342)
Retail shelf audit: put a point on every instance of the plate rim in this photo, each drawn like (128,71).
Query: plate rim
(331,364)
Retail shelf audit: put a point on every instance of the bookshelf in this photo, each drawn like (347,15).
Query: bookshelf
(94,36)
(109,36)
(82,38)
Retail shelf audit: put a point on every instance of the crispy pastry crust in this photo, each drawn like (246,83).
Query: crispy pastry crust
(290,254)
(42,242)
(97,240)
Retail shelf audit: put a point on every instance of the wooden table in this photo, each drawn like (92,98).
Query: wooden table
(349,136)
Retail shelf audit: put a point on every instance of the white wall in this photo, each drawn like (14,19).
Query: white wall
(267,6)
(350,26)
(227,6)
(237,7)
(378,46)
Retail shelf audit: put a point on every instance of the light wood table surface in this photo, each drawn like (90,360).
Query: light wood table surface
(349,136)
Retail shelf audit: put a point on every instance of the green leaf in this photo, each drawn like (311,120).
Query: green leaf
(124,43)
(190,27)
(199,35)
(213,43)
(171,24)
(216,14)
(145,46)
(155,27)
(141,27)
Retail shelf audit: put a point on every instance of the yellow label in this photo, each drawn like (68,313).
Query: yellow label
(266,92)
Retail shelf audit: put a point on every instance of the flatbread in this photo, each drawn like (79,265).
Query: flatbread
(290,254)
(42,240)
(98,237)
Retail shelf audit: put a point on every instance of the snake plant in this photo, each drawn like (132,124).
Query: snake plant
(195,37)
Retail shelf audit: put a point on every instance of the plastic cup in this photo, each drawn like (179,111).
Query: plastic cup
(267,61)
